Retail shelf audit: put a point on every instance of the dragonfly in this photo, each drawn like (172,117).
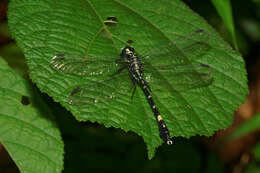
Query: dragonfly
(158,67)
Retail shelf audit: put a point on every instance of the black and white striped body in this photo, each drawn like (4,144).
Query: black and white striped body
(133,62)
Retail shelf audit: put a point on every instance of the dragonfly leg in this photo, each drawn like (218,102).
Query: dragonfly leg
(118,71)
(133,93)
(119,61)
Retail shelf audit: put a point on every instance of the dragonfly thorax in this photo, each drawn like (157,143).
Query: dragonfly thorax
(133,62)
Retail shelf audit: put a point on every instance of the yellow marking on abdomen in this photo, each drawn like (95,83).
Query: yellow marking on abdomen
(159,118)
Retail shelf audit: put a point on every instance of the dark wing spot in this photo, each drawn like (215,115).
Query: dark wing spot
(200,30)
(130,41)
(60,55)
(74,91)
(204,65)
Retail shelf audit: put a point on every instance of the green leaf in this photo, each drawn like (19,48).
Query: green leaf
(225,11)
(253,166)
(27,128)
(256,1)
(44,29)
(256,151)
(251,125)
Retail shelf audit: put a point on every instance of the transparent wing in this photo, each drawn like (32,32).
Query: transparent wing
(183,50)
(172,65)
(114,87)
(83,65)
(179,77)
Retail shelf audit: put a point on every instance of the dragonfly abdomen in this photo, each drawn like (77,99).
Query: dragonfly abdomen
(164,132)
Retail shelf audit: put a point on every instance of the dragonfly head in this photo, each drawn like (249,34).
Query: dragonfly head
(128,52)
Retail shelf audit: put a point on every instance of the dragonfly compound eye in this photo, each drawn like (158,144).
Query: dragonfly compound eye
(128,50)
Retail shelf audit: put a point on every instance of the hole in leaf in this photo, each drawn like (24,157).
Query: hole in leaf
(111,21)
(113,18)
(25,100)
